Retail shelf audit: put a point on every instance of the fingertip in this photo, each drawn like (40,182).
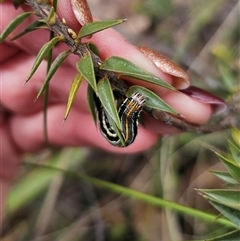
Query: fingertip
(195,111)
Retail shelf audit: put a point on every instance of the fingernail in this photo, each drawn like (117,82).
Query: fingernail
(218,105)
(180,77)
(82,11)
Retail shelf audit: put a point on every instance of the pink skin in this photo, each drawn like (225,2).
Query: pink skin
(23,132)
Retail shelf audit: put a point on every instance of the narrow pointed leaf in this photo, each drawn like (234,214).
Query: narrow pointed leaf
(94,27)
(51,18)
(91,105)
(72,93)
(235,151)
(106,97)
(55,65)
(231,236)
(14,24)
(231,166)
(33,26)
(86,68)
(42,53)
(225,176)
(232,214)
(229,198)
(129,69)
(152,100)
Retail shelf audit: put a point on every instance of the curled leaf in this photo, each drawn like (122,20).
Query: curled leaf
(81,11)
(181,79)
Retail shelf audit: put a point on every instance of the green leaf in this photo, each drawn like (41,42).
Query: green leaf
(106,97)
(129,69)
(73,91)
(33,26)
(42,53)
(235,151)
(86,68)
(14,24)
(51,18)
(91,105)
(54,66)
(231,166)
(93,47)
(225,176)
(232,214)
(96,26)
(231,236)
(229,198)
(134,194)
(152,100)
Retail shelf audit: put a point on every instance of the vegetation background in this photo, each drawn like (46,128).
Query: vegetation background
(203,38)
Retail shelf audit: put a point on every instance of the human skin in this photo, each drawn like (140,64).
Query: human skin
(22,120)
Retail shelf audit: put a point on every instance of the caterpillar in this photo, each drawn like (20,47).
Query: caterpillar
(129,112)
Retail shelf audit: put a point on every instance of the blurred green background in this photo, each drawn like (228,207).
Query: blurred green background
(48,204)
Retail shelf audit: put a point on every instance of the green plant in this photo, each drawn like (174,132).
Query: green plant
(41,183)
(227,201)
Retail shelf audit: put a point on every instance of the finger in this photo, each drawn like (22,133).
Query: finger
(194,111)
(78,130)
(109,42)
(24,96)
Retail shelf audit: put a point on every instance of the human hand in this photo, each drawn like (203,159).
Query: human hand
(22,128)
